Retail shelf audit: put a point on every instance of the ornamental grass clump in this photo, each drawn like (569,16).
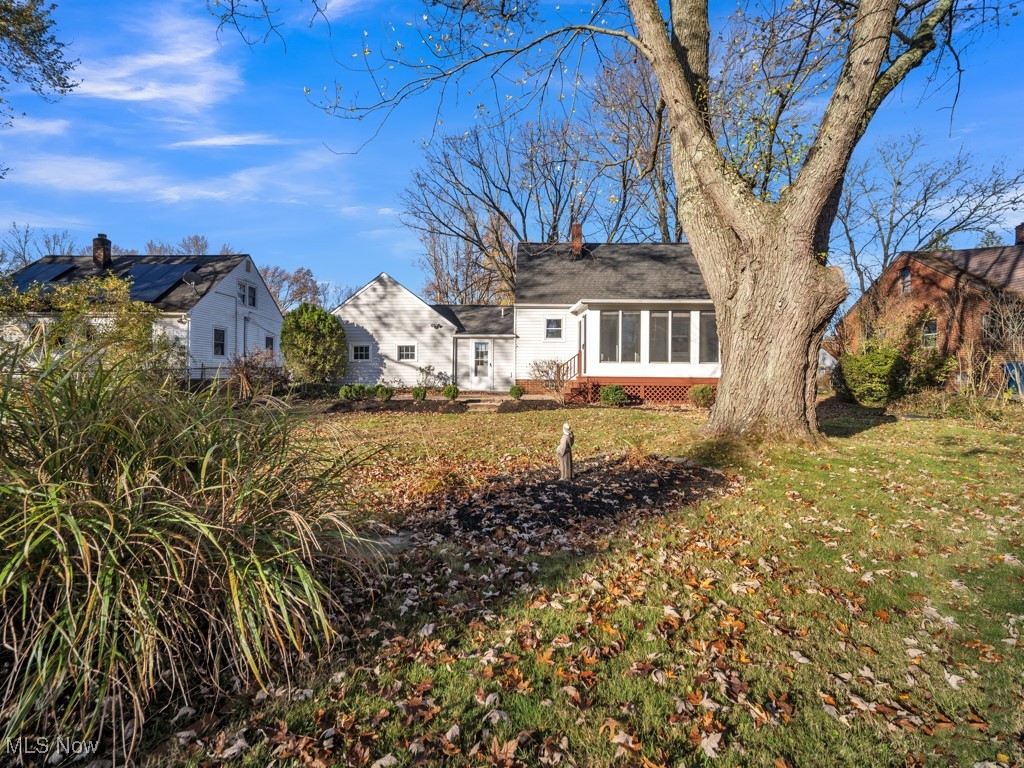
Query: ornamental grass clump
(153,541)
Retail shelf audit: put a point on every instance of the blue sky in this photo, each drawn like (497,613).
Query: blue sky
(174,131)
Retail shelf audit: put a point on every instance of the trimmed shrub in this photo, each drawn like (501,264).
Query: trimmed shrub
(313,344)
(419,394)
(877,376)
(451,392)
(702,396)
(613,394)
(515,392)
(124,497)
(384,392)
(345,393)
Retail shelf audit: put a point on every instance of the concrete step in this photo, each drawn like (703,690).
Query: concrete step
(483,406)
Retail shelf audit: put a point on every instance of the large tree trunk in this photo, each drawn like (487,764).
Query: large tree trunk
(773,301)
(770,323)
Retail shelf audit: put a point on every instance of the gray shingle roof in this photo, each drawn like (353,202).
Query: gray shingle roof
(478,320)
(180,297)
(545,273)
(1002,266)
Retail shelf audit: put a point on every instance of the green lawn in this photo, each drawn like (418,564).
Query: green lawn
(858,604)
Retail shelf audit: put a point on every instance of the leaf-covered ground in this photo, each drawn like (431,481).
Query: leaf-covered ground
(861,604)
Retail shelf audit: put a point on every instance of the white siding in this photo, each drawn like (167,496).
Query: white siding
(246,328)
(385,315)
(503,354)
(531,344)
(645,367)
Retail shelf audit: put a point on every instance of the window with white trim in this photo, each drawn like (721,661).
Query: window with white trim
(905,281)
(930,334)
(219,341)
(407,352)
(269,343)
(669,340)
(620,337)
(708,338)
(246,294)
(553,328)
(360,351)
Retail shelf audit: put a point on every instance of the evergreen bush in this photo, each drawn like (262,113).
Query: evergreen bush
(419,394)
(313,344)
(384,392)
(613,394)
(702,396)
(451,392)
(515,392)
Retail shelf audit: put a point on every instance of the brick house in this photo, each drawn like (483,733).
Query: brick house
(961,301)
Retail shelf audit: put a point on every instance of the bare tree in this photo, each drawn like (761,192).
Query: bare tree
(631,149)
(23,245)
(456,271)
(897,201)
(291,288)
(762,247)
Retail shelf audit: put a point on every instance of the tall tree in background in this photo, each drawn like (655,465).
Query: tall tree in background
(22,245)
(189,245)
(762,246)
(899,201)
(606,164)
(299,286)
(30,53)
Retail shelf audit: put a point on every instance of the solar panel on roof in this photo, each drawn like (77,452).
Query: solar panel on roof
(151,281)
(40,272)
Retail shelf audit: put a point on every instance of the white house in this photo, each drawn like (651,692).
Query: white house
(394,336)
(634,314)
(637,314)
(217,306)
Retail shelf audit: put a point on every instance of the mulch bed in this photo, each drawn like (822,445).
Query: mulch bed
(539,511)
(438,406)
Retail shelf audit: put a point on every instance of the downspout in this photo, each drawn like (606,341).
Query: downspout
(455,360)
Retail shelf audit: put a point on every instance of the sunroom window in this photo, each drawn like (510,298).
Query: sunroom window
(708,338)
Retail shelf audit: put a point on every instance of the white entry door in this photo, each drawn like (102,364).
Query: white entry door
(482,374)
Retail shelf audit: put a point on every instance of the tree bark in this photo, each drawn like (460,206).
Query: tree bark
(770,325)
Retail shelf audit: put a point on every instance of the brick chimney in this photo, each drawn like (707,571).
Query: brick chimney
(576,239)
(1019,235)
(101,253)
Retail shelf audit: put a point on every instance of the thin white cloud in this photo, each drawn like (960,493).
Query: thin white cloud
(335,9)
(180,68)
(387,212)
(38,127)
(230,140)
(73,173)
(293,180)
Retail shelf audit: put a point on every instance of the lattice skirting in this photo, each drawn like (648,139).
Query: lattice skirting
(654,393)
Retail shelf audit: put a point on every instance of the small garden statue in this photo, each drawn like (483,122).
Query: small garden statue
(564,453)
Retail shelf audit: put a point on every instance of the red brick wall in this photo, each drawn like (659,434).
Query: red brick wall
(957,305)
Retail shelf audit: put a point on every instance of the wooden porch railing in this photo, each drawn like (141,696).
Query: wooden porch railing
(570,369)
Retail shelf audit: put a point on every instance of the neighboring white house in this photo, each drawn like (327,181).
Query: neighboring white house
(217,307)
(638,315)
(394,336)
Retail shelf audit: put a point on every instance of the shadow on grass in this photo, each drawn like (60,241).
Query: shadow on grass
(840,419)
(721,452)
(471,555)
(471,552)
